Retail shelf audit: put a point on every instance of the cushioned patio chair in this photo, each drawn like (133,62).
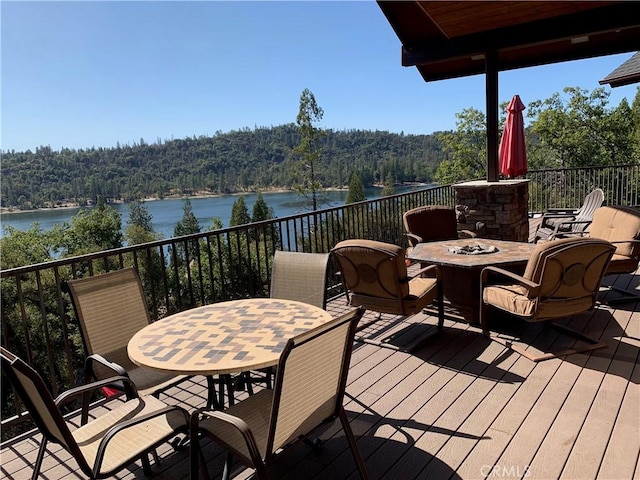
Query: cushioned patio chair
(432,223)
(562,278)
(374,275)
(309,392)
(557,221)
(620,226)
(108,443)
(111,308)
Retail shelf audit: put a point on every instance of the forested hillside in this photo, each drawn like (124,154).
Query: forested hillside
(257,159)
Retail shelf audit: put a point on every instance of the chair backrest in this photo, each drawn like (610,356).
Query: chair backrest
(34,393)
(311,379)
(620,225)
(111,308)
(569,269)
(300,276)
(433,223)
(374,274)
(593,201)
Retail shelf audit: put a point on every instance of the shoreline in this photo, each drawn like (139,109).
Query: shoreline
(67,206)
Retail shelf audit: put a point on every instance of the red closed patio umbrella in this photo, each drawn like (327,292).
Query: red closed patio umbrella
(512,154)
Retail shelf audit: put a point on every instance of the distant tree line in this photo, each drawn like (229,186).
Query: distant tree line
(256,159)
(574,129)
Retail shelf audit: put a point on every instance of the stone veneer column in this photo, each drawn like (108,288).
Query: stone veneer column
(497,210)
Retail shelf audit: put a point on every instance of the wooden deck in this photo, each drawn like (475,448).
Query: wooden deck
(460,407)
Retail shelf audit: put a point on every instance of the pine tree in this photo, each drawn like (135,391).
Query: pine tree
(309,147)
(239,213)
(140,224)
(356,189)
(189,223)
(389,186)
(261,211)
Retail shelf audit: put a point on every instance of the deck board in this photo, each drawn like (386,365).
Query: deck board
(460,407)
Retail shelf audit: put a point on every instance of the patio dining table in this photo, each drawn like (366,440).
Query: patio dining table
(461,262)
(223,338)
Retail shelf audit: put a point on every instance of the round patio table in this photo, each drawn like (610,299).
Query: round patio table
(223,338)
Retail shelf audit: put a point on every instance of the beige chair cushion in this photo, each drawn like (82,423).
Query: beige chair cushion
(568,280)
(616,224)
(370,272)
(376,276)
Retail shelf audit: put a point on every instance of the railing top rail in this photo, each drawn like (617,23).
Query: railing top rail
(195,236)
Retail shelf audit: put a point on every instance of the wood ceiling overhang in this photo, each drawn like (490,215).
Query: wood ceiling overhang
(452,39)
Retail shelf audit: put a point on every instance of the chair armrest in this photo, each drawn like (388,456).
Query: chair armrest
(466,234)
(560,211)
(413,239)
(559,233)
(113,431)
(88,387)
(426,269)
(528,284)
(557,215)
(95,358)
(615,242)
(228,420)
(118,370)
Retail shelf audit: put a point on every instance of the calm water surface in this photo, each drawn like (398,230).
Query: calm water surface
(166,213)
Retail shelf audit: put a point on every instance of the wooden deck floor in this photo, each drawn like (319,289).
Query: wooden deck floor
(460,407)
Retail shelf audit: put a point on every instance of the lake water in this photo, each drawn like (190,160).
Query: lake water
(166,213)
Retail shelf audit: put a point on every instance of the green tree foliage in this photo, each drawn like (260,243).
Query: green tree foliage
(233,162)
(94,229)
(239,213)
(309,148)
(389,187)
(635,121)
(28,247)
(467,147)
(140,224)
(356,190)
(578,129)
(189,223)
(261,211)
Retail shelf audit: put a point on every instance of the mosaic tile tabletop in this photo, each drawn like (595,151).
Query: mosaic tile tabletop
(438,253)
(227,337)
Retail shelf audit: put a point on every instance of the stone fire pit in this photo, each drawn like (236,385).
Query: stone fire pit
(475,249)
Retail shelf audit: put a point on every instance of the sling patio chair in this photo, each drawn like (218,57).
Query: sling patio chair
(299,276)
(562,278)
(309,391)
(374,275)
(557,221)
(111,308)
(106,444)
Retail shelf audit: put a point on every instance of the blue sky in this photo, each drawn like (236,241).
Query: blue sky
(83,74)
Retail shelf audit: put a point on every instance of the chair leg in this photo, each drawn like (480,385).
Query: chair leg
(196,458)
(353,445)
(212,403)
(228,459)
(440,309)
(38,464)
(146,465)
